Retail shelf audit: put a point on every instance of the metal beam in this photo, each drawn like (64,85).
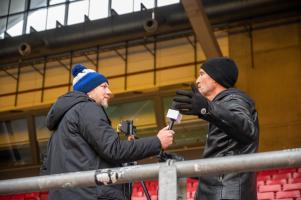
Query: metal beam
(191,168)
(90,59)
(63,64)
(11,75)
(36,69)
(201,27)
(128,27)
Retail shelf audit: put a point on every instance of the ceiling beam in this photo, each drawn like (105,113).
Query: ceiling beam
(201,27)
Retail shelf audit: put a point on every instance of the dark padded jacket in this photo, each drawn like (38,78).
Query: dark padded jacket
(233,130)
(83,140)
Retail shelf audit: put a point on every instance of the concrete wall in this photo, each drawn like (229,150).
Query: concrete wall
(273,80)
(177,51)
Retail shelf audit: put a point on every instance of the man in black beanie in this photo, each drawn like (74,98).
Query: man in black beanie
(233,127)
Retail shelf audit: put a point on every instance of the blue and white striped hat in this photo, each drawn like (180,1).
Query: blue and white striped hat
(85,79)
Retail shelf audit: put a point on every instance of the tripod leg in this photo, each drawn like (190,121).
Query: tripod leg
(145,190)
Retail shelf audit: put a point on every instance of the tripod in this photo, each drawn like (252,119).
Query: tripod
(129,130)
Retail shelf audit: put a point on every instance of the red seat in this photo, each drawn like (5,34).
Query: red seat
(17,197)
(32,196)
(267,172)
(263,178)
(276,182)
(288,194)
(288,170)
(260,183)
(154,197)
(265,195)
(5,197)
(297,175)
(269,188)
(138,198)
(295,180)
(137,192)
(294,186)
(43,195)
(281,176)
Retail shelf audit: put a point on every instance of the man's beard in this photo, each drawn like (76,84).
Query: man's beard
(104,104)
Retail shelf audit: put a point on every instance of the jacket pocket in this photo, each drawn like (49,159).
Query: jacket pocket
(231,191)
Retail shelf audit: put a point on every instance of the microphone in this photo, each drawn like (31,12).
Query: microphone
(173,115)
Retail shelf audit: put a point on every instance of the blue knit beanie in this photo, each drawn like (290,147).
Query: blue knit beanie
(85,79)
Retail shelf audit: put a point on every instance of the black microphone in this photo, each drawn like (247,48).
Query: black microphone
(173,115)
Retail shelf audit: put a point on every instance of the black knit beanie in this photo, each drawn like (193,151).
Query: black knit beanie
(222,70)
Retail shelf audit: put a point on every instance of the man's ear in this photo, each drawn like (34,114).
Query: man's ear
(89,94)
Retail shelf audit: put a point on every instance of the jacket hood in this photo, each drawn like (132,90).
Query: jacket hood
(62,105)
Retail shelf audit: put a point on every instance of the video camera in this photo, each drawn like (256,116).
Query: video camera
(127,127)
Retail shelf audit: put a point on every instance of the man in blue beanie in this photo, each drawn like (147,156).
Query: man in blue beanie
(233,127)
(83,138)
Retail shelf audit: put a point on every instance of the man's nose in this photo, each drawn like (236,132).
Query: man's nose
(109,92)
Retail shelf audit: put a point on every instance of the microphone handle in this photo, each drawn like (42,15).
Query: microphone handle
(172,122)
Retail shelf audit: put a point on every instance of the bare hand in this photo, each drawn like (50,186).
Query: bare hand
(166,137)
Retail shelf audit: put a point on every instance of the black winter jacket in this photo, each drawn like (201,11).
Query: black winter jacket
(233,130)
(82,140)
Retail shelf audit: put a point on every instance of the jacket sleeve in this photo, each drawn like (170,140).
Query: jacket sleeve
(97,131)
(236,118)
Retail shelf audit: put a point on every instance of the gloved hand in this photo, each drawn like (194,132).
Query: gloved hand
(191,102)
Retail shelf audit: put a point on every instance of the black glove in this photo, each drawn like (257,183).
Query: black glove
(191,102)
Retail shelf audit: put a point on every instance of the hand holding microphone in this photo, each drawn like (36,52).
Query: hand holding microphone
(166,134)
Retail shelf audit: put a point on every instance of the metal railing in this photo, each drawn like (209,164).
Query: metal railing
(167,172)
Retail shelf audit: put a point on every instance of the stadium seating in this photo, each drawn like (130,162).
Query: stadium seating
(281,184)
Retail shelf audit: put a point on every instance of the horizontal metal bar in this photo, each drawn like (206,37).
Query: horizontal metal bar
(191,168)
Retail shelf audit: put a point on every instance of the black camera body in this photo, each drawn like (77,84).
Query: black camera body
(127,127)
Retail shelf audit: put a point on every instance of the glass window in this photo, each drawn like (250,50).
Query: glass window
(52,2)
(167,2)
(17,6)
(141,112)
(37,3)
(15,25)
(36,19)
(147,3)
(42,132)
(122,7)
(14,143)
(98,9)
(4,7)
(55,13)
(2,27)
(77,11)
